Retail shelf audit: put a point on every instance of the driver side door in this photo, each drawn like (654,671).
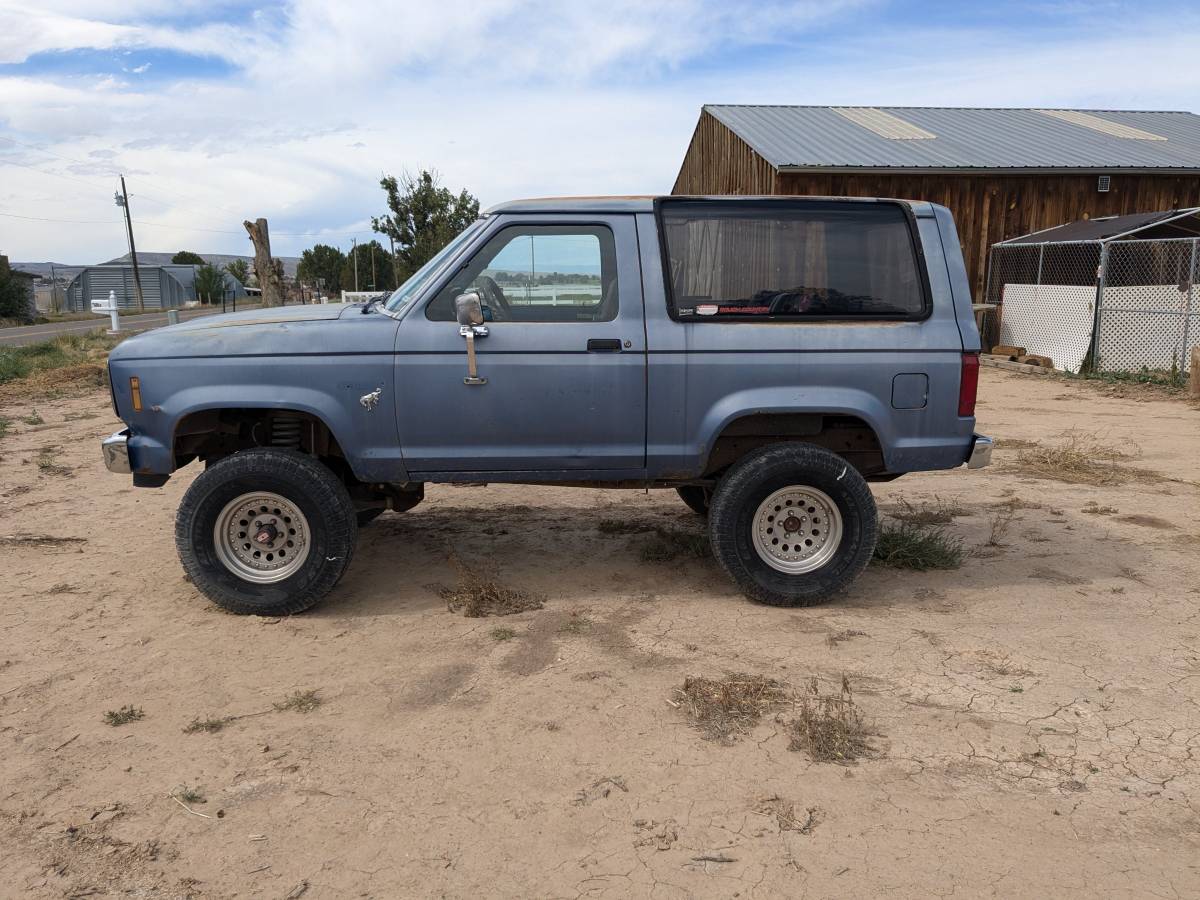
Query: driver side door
(563,362)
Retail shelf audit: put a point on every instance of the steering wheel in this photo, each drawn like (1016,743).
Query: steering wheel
(494,296)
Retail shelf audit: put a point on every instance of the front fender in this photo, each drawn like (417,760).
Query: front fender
(330,390)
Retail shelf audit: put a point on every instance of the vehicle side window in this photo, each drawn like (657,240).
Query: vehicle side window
(791,260)
(539,273)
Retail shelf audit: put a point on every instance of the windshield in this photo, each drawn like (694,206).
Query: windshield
(404,294)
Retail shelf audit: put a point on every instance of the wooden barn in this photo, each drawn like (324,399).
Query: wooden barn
(1002,172)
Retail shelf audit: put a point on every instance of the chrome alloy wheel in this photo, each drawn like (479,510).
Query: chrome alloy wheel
(261,537)
(797,529)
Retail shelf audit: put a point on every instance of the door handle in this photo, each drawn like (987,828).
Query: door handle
(604,345)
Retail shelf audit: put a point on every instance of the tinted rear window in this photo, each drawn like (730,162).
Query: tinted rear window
(791,260)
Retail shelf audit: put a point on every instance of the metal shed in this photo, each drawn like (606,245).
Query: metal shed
(163,287)
(1116,294)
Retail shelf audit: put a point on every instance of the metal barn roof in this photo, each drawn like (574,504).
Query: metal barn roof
(940,138)
(1174,223)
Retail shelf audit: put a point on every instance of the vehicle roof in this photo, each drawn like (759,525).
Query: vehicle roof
(645,202)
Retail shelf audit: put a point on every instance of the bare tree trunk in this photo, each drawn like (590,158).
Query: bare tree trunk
(270,279)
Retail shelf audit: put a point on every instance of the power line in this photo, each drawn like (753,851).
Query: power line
(330,234)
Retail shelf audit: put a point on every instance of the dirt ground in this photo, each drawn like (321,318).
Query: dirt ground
(1034,714)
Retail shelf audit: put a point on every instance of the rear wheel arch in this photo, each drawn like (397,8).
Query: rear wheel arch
(849,436)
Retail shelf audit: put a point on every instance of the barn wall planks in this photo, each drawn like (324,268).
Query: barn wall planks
(987,206)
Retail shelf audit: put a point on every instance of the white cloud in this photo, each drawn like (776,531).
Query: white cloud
(506,98)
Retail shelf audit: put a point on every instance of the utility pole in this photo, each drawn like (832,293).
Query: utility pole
(123,202)
(354,250)
(374,283)
(395,268)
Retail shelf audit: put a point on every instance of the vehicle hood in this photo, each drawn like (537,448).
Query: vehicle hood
(311,312)
(308,330)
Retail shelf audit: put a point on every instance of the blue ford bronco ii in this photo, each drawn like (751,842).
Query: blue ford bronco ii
(766,357)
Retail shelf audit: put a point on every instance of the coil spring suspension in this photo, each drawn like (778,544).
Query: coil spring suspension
(285,432)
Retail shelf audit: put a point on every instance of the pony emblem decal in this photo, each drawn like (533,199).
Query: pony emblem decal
(371,400)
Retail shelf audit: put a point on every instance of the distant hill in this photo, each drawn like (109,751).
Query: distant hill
(63,270)
(216,259)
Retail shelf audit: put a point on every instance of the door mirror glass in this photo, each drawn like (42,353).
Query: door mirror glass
(469,309)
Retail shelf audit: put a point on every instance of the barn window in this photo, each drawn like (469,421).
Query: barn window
(1104,183)
(791,260)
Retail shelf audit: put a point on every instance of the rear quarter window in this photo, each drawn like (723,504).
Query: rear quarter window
(791,260)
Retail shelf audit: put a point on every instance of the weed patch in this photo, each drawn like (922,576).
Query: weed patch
(724,708)
(620,526)
(300,701)
(123,716)
(34,418)
(34,361)
(208,726)
(1079,458)
(503,634)
(934,512)
(844,635)
(917,547)
(830,727)
(476,596)
(669,544)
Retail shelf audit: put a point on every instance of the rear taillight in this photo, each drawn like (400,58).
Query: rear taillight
(968,385)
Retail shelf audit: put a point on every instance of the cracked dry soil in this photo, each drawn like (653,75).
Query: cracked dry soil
(1035,712)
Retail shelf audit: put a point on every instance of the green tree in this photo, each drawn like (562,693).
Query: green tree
(187,258)
(239,269)
(322,267)
(14,293)
(423,218)
(370,254)
(210,284)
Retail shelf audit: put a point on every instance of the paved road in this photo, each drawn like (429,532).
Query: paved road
(34,334)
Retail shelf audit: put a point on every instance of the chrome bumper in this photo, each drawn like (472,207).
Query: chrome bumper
(116,452)
(981,452)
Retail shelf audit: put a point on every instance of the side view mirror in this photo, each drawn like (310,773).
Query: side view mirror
(469,309)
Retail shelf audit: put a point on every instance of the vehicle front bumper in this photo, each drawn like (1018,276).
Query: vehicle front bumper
(981,452)
(116,452)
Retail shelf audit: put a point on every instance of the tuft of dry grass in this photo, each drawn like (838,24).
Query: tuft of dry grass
(844,635)
(47,462)
(669,544)
(787,818)
(123,716)
(190,795)
(209,726)
(1080,458)
(934,512)
(503,634)
(1092,508)
(620,526)
(918,547)
(830,727)
(300,701)
(726,707)
(477,596)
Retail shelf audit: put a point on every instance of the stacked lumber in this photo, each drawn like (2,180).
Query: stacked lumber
(1016,359)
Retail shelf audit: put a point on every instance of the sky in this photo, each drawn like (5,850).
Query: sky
(221,110)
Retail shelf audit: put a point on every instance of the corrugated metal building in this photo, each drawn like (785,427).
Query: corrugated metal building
(163,287)
(1002,172)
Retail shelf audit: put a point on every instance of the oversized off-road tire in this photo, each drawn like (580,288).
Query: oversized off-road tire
(792,524)
(696,497)
(266,531)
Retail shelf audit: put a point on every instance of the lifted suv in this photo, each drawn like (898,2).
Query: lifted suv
(765,357)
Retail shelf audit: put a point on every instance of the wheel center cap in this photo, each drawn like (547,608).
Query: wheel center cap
(791,523)
(266,534)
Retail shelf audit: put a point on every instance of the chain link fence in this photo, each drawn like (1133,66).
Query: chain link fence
(1107,306)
